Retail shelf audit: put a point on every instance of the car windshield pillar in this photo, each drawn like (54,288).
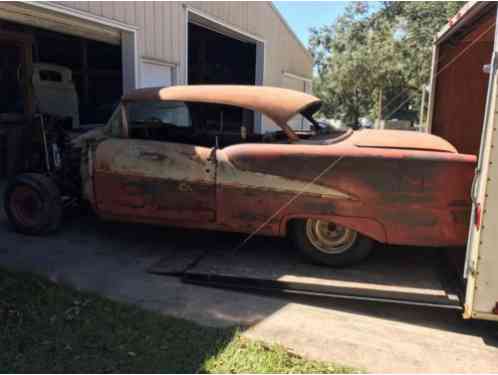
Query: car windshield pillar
(124,118)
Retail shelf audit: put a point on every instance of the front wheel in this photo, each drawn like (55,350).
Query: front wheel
(33,204)
(325,242)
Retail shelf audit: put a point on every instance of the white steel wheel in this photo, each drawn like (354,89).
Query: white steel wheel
(329,237)
(328,243)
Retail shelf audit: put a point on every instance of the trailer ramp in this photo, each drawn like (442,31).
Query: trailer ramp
(417,276)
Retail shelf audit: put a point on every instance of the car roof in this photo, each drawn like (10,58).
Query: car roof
(279,104)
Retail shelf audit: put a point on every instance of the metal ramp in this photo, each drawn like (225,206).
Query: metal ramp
(405,275)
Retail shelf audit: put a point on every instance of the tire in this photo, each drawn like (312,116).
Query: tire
(329,244)
(33,204)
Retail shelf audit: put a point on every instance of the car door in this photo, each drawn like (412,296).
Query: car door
(154,180)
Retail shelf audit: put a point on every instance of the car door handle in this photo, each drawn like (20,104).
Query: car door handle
(151,156)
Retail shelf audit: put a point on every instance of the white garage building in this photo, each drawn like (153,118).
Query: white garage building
(112,47)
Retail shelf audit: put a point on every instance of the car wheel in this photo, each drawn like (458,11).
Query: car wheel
(33,204)
(325,242)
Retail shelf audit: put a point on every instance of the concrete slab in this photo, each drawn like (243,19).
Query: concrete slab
(382,276)
(112,259)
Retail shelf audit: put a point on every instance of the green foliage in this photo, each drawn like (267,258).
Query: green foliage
(244,356)
(47,328)
(373,51)
(419,22)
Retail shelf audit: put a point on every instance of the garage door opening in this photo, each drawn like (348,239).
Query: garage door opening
(94,68)
(216,57)
(42,71)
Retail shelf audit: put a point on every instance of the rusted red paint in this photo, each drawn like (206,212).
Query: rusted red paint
(405,197)
(396,187)
(154,198)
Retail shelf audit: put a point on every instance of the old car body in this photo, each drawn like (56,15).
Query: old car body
(391,186)
(396,187)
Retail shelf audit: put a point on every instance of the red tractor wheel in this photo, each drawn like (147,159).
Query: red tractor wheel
(33,204)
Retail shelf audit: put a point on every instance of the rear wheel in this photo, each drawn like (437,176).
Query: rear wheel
(328,243)
(33,204)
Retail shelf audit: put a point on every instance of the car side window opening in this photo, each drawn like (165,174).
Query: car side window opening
(202,124)
(227,124)
(115,123)
(160,121)
(300,123)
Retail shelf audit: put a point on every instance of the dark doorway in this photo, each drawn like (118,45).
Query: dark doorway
(51,73)
(96,67)
(11,95)
(214,58)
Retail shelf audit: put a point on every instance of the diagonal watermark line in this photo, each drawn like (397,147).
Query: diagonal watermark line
(334,163)
(288,203)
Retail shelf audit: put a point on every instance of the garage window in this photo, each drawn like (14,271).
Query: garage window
(156,74)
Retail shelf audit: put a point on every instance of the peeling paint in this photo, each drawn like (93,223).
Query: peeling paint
(395,187)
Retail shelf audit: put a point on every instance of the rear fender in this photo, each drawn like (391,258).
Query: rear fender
(368,227)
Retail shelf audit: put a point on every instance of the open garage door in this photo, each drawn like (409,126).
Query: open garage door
(63,66)
(220,55)
(58,65)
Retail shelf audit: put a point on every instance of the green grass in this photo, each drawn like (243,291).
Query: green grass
(46,327)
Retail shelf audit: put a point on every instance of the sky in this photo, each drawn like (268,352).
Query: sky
(301,15)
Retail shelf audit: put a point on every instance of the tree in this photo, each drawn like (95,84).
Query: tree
(372,54)
(418,22)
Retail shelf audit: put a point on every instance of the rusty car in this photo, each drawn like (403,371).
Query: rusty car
(334,194)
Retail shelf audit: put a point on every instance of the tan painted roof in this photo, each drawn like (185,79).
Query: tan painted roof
(278,104)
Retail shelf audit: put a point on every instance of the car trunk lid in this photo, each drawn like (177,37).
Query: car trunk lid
(401,139)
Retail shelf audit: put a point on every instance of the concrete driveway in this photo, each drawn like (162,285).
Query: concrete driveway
(111,259)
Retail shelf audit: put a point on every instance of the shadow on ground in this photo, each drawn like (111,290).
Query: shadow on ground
(112,259)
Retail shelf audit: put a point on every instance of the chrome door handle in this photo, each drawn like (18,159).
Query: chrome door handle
(152,156)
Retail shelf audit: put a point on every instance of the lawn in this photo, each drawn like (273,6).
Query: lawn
(45,327)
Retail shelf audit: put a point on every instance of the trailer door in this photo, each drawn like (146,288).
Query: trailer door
(481,267)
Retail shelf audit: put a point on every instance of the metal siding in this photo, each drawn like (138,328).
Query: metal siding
(162,31)
(119,10)
(108,9)
(94,7)
(177,26)
(130,12)
(81,5)
(159,28)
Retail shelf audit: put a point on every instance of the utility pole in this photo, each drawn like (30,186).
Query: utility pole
(380,103)
(422,110)
(380,109)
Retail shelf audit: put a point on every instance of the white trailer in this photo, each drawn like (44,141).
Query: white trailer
(463,109)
